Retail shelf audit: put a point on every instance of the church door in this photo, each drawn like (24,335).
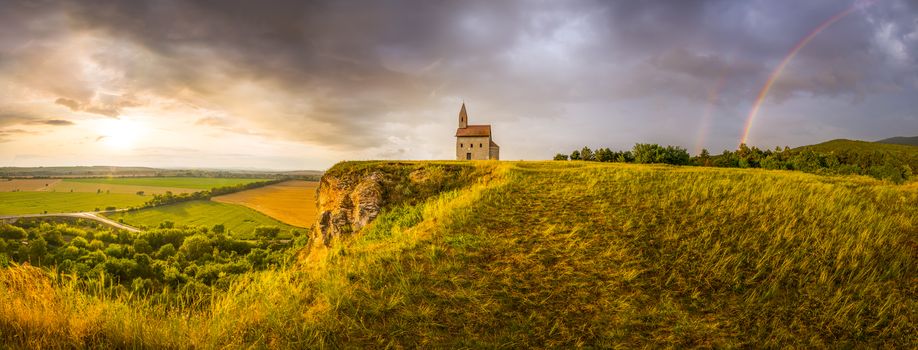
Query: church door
(468,156)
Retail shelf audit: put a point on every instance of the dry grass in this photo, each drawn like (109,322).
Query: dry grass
(291,202)
(554,255)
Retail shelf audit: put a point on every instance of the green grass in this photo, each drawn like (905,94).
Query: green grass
(12,203)
(201,183)
(239,220)
(554,255)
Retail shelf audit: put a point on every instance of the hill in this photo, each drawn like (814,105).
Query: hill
(843,145)
(116,171)
(911,141)
(542,254)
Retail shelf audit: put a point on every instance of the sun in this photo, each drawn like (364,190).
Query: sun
(120,134)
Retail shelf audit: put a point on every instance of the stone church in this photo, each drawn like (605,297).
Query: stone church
(473,142)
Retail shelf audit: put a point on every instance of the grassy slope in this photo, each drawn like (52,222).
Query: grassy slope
(560,255)
(236,218)
(200,183)
(63,202)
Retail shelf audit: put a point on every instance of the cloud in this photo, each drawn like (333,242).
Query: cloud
(56,122)
(107,105)
(349,75)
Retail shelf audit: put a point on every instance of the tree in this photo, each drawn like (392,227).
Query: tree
(219,228)
(267,231)
(141,246)
(79,242)
(195,247)
(55,237)
(167,223)
(12,232)
(575,155)
(38,248)
(560,156)
(646,153)
(704,159)
(587,154)
(96,245)
(165,251)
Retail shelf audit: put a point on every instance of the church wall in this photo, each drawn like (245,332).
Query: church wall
(471,145)
(494,153)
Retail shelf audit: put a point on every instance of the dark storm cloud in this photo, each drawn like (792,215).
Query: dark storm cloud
(335,70)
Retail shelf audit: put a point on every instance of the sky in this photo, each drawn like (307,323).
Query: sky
(304,84)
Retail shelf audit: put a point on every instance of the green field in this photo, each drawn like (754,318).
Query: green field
(239,220)
(200,183)
(12,203)
(548,255)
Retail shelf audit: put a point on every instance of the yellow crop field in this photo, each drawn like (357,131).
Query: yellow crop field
(291,202)
(27,184)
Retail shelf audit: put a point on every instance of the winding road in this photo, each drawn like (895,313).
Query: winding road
(90,215)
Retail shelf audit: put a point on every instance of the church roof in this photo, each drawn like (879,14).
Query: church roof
(474,130)
(493,144)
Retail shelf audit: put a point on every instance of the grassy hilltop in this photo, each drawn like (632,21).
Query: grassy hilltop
(550,254)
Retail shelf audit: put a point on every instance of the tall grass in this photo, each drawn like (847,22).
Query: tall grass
(551,255)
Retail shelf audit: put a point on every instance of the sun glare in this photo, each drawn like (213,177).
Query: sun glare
(120,134)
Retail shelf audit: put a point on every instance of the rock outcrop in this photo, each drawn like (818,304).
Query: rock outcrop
(352,194)
(347,204)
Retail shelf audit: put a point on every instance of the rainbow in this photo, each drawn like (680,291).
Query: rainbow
(757,105)
(713,93)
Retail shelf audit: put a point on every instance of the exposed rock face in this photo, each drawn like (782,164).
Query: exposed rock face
(346,205)
(352,194)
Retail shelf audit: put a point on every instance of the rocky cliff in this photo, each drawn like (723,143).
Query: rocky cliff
(352,194)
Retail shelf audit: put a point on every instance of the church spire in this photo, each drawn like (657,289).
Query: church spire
(463,117)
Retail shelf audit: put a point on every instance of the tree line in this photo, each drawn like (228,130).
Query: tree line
(883,165)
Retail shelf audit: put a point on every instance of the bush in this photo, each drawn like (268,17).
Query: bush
(267,232)
(196,247)
(8,231)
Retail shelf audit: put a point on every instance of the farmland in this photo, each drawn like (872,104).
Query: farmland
(13,203)
(291,202)
(197,183)
(27,184)
(69,185)
(239,220)
(35,196)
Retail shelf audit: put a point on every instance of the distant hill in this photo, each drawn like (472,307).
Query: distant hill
(843,145)
(901,140)
(115,171)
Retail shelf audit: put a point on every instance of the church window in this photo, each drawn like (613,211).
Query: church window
(461,145)
(479,145)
